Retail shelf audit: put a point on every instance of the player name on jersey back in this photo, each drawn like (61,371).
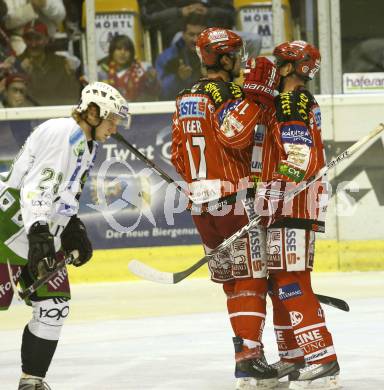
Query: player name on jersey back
(192,126)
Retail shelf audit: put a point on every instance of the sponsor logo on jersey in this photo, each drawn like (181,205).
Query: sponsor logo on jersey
(4,288)
(59,279)
(228,108)
(214,90)
(311,342)
(66,209)
(296,134)
(302,106)
(55,313)
(290,240)
(79,149)
(254,238)
(257,163)
(295,174)
(235,90)
(316,356)
(231,126)
(285,103)
(289,291)
(192,107)
(259,133)
(221,266)
(296,317)
(240,258)
(298,155)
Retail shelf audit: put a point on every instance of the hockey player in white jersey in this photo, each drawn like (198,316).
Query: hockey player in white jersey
(39,201)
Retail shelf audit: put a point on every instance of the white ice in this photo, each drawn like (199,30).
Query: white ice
(139,335)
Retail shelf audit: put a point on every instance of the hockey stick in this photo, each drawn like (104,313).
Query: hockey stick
(334,302)
(146,272)
(24,294)
(151,164)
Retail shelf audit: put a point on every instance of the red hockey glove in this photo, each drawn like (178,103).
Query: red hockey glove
(261,79)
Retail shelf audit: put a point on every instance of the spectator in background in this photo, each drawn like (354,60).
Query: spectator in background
(8,62)
(14,133)
(179,66)
(367,56)
(15,94)
(167,15)
(22,12)
(52,81)
(135,80)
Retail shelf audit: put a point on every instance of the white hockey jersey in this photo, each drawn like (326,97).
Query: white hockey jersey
(46,179)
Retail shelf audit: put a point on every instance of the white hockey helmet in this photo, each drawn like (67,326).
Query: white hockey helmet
(112,105)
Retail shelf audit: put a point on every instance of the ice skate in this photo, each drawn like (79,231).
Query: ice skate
(316,377)
(285,368)
(33,384)
(252,370)
(255,374)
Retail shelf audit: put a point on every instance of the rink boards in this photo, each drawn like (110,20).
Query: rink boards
(111,265)
(354,225)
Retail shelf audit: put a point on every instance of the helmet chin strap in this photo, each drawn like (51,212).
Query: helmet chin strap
(93,128)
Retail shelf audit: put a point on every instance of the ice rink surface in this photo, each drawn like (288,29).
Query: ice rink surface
(139,335)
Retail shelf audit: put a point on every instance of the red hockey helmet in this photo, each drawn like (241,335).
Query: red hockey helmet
(214,41)
(305,57)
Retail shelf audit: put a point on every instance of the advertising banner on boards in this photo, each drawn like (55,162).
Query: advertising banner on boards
(126,204)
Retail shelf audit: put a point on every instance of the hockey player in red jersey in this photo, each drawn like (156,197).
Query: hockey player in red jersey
(301,332)
(289,151)
(214,161)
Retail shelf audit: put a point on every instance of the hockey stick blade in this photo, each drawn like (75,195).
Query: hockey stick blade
(146,272)
(334,302)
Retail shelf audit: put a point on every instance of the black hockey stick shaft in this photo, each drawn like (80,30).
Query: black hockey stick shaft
(150,163)
(40,282)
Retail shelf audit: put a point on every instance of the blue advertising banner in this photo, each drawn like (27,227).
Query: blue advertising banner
(124,203)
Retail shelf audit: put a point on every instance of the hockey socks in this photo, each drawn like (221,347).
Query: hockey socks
(36,354)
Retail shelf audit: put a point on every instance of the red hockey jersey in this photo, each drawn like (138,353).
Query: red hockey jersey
(213,160)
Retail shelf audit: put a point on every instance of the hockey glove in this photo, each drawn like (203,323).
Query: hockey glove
(269,202)
(41,253)
(75,236)
(261,80)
